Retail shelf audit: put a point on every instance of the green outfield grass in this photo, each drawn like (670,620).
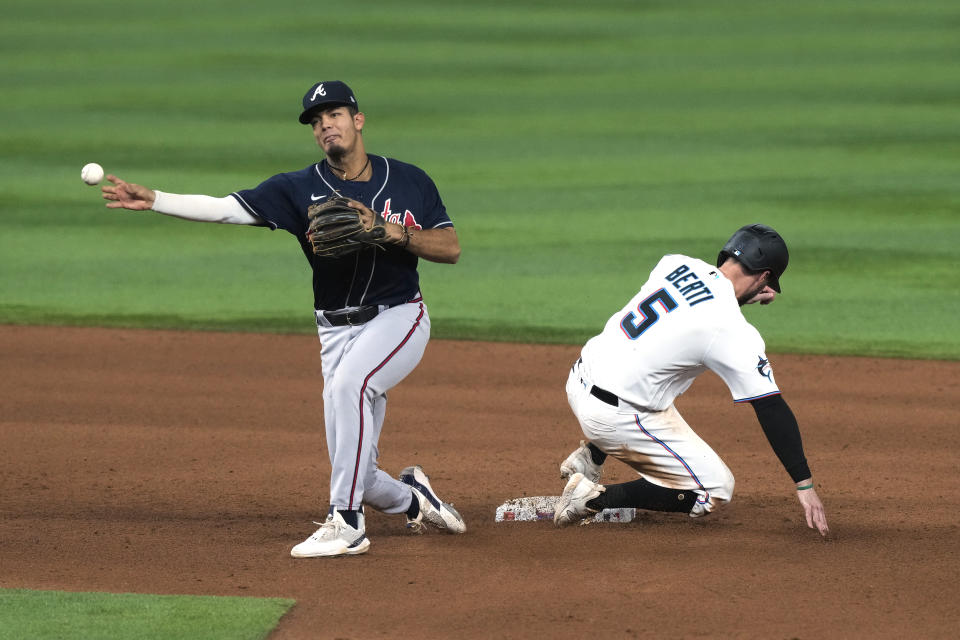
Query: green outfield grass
(59,615)
(573,144)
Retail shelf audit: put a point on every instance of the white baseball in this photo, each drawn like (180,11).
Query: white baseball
(91,173)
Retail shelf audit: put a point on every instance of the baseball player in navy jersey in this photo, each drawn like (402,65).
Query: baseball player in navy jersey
(372,320)
(684,320)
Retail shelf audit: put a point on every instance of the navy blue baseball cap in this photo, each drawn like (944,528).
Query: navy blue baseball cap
(326,94)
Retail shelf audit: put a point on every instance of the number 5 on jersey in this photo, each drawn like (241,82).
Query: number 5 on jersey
(647,313)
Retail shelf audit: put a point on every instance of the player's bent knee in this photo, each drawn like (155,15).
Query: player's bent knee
(725,492)
(715,496)
(721,483)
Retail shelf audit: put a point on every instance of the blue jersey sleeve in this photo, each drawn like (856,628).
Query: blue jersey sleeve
(273,201)
(435,213)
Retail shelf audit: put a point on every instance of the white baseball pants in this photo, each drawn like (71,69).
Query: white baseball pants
(660,445)
(360,364)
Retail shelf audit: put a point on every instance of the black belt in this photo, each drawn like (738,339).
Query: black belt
(598,393)
(360,315)
(605,396)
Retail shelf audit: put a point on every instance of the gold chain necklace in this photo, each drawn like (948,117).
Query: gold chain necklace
(345,178)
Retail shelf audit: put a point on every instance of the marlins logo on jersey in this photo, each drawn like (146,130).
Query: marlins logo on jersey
(763,368)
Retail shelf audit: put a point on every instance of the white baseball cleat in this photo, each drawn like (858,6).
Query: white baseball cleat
(580,461)
(432,510)
(572,506)
(334,538)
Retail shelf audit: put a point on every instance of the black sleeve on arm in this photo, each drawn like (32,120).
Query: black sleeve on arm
(783,433)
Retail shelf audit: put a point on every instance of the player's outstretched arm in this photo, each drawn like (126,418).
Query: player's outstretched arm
(782,431)
(197,208)
(812,507)
(127,195)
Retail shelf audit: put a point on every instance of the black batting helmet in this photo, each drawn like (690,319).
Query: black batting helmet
(758,248)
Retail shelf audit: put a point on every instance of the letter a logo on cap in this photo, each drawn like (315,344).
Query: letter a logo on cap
(318,92)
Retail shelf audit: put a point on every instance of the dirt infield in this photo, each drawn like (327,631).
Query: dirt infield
(164,462)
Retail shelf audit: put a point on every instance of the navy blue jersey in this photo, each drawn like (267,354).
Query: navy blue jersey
(400,192)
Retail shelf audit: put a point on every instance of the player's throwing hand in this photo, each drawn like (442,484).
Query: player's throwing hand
(127,195)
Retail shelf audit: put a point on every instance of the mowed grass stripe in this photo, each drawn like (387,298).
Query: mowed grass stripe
(573,146)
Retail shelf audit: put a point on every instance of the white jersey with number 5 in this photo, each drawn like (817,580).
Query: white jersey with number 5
(684,320)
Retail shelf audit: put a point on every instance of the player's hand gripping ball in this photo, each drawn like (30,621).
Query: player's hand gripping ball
(91,173)
(337,229)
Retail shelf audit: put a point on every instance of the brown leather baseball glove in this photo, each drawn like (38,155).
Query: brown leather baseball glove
(336,229)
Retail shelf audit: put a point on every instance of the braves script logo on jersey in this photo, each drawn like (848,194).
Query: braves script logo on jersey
(405,219)
(763,368)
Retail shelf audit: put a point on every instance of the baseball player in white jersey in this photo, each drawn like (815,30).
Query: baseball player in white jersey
(371,318)
(684,320)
